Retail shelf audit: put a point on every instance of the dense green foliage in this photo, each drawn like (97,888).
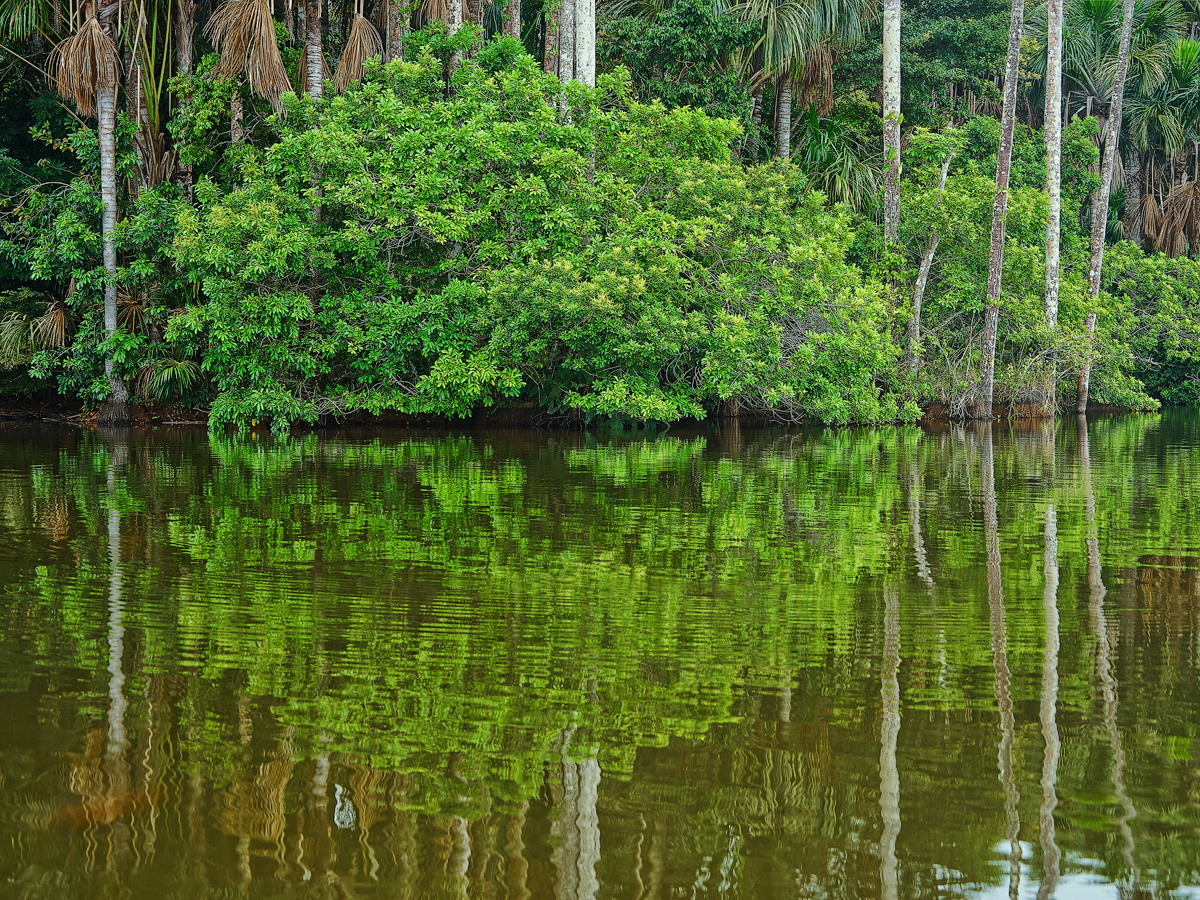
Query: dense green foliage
(460,232)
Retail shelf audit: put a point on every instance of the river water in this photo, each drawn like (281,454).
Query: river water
(859,663)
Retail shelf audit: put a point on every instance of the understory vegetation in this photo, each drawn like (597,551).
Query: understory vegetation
(457,230)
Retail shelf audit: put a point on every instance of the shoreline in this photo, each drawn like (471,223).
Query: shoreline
(71,412)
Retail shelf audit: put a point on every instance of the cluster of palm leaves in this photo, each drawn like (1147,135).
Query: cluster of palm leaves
(1160,127)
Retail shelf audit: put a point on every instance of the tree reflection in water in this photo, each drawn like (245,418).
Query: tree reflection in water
(544,667)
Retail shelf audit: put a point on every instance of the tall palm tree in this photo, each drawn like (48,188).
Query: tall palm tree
(1008,119)
(891,121)
(1100,197)
(85,69)
(796,47)
(1166,122)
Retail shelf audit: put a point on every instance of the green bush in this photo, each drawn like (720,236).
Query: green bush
(440,246)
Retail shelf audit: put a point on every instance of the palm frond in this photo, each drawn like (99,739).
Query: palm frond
(243,33)
(16,339)
(165,377)
(85,65)
(363,43)
(1177,229)
(50,328)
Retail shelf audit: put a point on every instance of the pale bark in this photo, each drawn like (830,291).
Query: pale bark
(1053,136)
(512,19)
(913,343)
(784,125)
(185,28)
(1008,119)
(566,47)
(397,26)
(585,42)
(891,121)
(116,410)
(1100,198)
(550,49)
(313,52)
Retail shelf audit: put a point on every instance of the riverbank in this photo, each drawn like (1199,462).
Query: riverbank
(69,410)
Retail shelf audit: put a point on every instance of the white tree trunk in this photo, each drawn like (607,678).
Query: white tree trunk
(891,121)
(566,46)
(116,411)
(397,26)
(585,41)
(313,57)
(1100,198)
(1008,120)
(913,349)
(1053,135)
(784,125)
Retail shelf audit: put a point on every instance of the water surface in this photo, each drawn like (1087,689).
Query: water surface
(890,663)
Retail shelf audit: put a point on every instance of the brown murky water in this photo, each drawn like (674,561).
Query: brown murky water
(859,663)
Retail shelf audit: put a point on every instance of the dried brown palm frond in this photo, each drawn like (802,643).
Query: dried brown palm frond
(1177,228)
(50,328)
(1151,215)
(815,77)
(131,310)
(243,33)
(433,11)
(85,65)
(363,44)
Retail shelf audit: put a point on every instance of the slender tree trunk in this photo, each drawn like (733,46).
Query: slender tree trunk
(1100,198)
(550,47)
(116,410)
(314,59)
(783,131)
(1053,135)
(512,19)
(397,26)
(913,344)
(891,121)
(1008,118)
(566,47)
(585,41)
(184,26)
